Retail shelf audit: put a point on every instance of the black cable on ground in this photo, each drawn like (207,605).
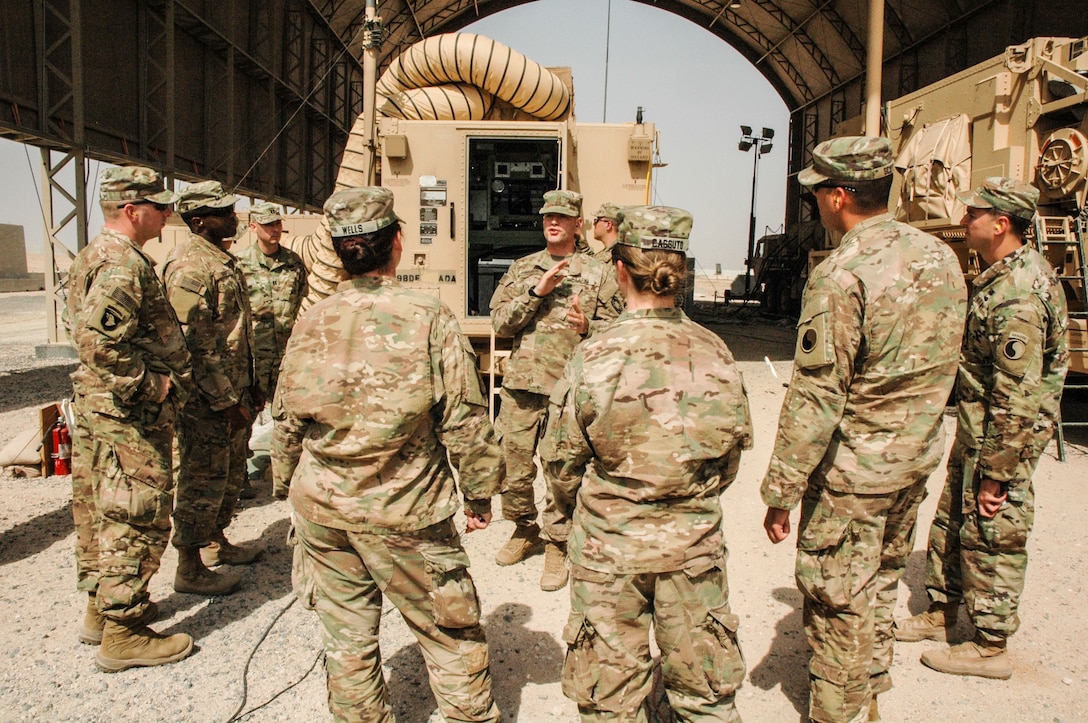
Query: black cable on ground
(238,714)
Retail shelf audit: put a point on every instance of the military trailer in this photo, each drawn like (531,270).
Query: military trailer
(469,194)
(1022,115)
(469,134)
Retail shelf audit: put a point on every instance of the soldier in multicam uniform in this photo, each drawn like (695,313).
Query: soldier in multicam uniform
(276,279)
(638,451)
(547,302)
(381,394)
(860,429)
(606,226)
(134,375)
(1013,365)
(208,292)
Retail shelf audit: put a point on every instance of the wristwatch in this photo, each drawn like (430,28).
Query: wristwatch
(532,293)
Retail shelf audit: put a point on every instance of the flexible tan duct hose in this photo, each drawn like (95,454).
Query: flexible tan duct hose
(443,102)
(466,58)
(455,76)
(326,270)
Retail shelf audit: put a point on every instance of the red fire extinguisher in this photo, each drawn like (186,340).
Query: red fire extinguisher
(62,448)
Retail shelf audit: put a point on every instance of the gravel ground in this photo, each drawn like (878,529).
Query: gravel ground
(256,646)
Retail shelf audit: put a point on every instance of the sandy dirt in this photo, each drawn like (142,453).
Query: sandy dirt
(256,648)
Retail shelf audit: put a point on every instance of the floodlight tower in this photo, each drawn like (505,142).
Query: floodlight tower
(762,144)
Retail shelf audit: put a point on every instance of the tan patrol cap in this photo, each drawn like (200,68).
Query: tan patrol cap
(1007,195)
(359,211)
(133,183)
(663,228)
(565,203)
(610,211)
(847,159)
(265,212)
(206,195)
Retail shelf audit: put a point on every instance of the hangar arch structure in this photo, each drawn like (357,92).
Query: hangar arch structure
(261,96)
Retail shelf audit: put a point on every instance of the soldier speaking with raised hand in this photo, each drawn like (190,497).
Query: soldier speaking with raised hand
(547,302)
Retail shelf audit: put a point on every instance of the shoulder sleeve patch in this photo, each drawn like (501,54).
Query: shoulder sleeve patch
(184,302)
(814,344)
(1020,343)
(110,318)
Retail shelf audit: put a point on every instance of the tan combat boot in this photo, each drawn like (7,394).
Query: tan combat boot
(193,577)
(222,552)
(555,572)
(933,624)
(136,645)
(94,621)
(520,544)
(978,657)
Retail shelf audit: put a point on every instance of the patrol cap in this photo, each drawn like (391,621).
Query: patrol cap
(133,183)
(850,158)
(610,211)
(565,203)
(1006,195)
(655,227)
(206,195)
(358,211)
(265,212)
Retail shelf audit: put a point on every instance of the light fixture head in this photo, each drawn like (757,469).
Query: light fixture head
(768,133)
(746,130)
(765,148)
(745,145)
(734,4)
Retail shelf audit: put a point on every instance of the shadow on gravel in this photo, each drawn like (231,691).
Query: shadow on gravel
(31,537)
(25,387)
(519,656)
(267,579)
(786,663)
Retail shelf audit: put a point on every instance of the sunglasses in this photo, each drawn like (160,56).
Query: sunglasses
(818,186)
(160,207)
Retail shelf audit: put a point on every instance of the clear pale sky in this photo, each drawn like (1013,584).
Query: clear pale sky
(697,90)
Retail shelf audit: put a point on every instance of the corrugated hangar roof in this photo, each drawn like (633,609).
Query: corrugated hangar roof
(807,49)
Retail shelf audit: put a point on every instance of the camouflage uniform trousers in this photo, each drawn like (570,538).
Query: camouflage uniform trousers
(851,552)
(608,669)
(122,496)
(343,575)
(266,374)
(211,473)
(978,560)
(521,420)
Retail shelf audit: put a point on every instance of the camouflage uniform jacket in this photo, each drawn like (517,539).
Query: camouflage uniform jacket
(877,349)
(277,285)
(543,338)
(644,432)
(122,327)
(603,255)
(1015,356)
(378,384)
(208,292)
